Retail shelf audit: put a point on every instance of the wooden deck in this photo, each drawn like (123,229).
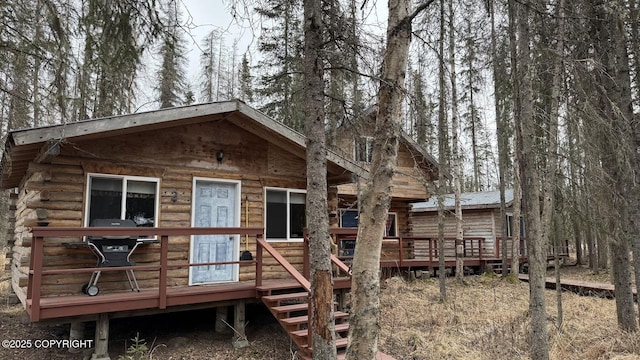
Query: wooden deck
(581,287)
(398,254)
(421,253)
(160,298)
(147,301)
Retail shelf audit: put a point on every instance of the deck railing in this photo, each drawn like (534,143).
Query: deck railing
(58,236)
(40,234)
(406,251)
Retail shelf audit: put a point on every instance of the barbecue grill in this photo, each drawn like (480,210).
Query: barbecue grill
(112,251)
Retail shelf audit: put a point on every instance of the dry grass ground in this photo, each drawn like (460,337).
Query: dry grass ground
(488,318)
(484,318)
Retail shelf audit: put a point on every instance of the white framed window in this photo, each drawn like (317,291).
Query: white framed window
(364,149)
(285,217)
(122,197)
(349,219)
(510,225)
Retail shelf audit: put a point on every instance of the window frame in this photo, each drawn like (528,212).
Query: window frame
(288,191)
(123,205)
(391,213)
(509,220)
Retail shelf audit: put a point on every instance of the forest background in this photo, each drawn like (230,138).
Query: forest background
(546,91)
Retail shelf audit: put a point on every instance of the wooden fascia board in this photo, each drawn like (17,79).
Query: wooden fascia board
(272,125)
(120,122)
(472,207)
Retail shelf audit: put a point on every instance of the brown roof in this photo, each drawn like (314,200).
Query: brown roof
(24,146)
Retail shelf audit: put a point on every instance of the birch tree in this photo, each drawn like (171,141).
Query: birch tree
(376,195)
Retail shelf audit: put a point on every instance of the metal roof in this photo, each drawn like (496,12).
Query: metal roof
(468,201)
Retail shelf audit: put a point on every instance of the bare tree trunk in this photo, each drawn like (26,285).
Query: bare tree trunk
(322,316)
(517,184)
(376,197)
(556,264)
(455,146)
(442,157)
(634,207)
(526,153)
(442,267)
(503,141)
(552,158)
(517,214)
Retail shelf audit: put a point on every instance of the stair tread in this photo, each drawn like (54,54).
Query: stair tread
(304,318)
(279,297)
(340,343)
(305,332)
(282,285)
(289,308)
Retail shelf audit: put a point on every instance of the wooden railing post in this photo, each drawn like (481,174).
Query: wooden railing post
(35,276)
(306,267)
(258,261)
(400,257)
(164,256)
(311,321)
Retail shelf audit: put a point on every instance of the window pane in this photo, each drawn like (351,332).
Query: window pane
(509,220)
(140,202)
(276,214)
(349,218)
(297,220)
(297,198)
(391,225)
(105,198)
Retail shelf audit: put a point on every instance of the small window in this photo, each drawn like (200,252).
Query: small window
(349,219)
(285,214)
(392,228)
(122,197)
(364,149)
(510,225)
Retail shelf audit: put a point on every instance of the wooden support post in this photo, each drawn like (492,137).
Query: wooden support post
(342,299)
(76,333)
(221,318)
(239,337)
(101,351)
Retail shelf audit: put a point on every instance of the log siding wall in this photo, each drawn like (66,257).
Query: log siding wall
(54,194)
(484,223)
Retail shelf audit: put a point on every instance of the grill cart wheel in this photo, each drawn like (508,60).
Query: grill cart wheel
(84,288)
(92,290)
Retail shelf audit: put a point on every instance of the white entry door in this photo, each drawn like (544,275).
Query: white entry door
(215,204)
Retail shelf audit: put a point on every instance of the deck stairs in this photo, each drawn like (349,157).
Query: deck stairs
(291,308)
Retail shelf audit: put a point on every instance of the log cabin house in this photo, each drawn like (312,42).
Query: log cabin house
(482,224)
(202,184)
